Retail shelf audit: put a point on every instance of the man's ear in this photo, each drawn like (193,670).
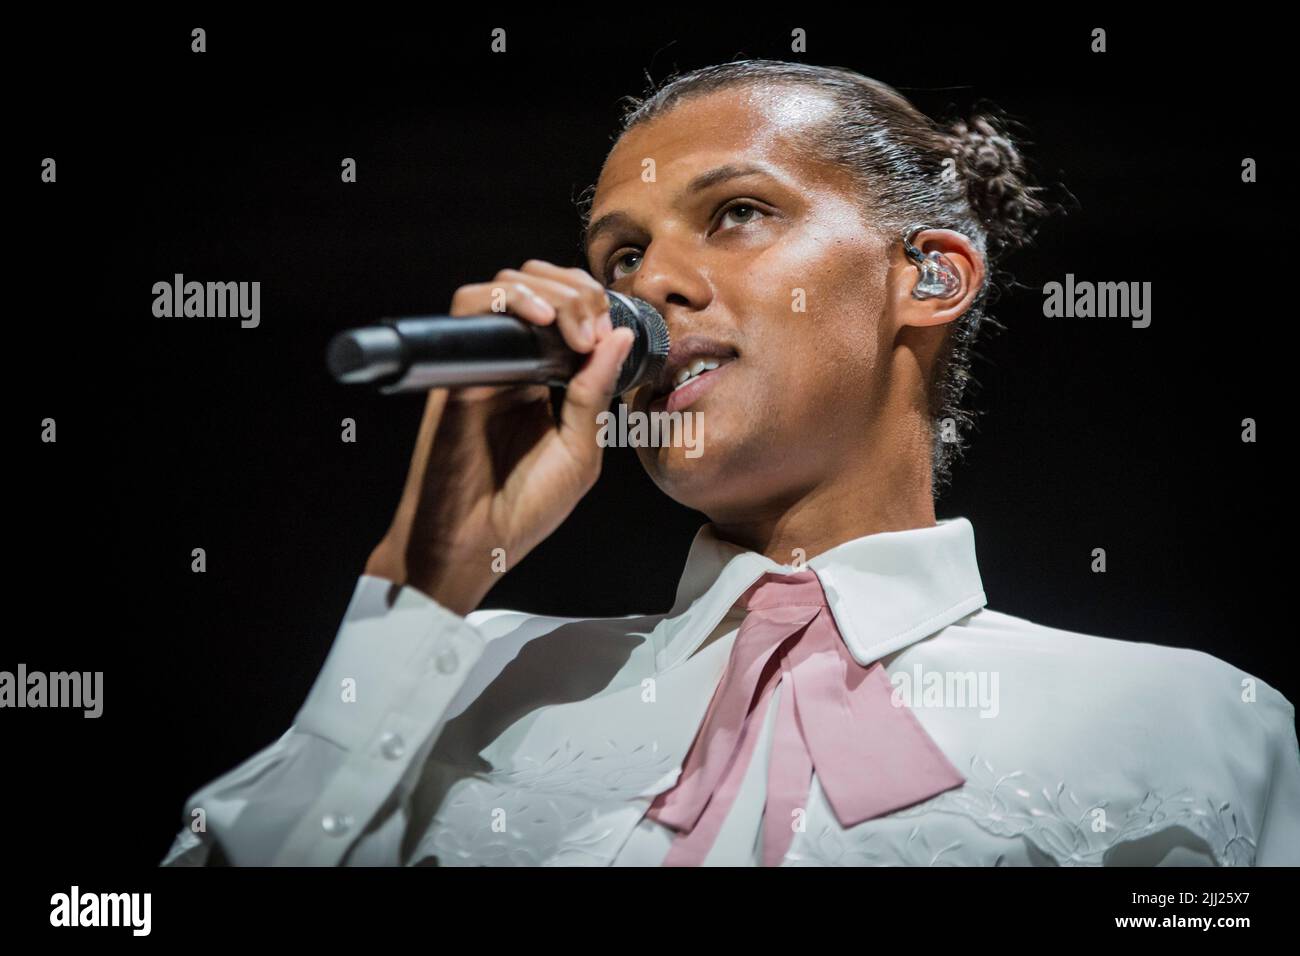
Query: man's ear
(962,258)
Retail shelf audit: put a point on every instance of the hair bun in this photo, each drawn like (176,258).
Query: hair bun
(998,186)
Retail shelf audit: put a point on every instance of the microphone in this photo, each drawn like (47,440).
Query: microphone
(437,351)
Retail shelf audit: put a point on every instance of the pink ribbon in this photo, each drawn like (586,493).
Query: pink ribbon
(838,717)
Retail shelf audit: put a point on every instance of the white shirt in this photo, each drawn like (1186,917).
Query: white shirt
(505,738)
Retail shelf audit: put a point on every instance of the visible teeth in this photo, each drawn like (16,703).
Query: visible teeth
(698,367)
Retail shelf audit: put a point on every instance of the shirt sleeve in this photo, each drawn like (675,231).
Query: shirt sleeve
(1279,836)
(381,697)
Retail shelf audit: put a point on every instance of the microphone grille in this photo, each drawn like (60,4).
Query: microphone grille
(649,351)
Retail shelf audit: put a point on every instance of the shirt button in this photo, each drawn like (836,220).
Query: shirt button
(447,661)
(391,745)
(336,824)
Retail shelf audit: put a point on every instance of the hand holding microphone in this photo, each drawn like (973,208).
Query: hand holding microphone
(438,351)
(491,467)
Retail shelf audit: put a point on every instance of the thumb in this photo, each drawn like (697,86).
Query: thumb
(589,393)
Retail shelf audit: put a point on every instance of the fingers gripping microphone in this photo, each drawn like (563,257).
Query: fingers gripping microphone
(439,351)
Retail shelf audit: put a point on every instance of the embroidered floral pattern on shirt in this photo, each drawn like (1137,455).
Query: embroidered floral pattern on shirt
(551,820)
(538,829)
(830,848)
(550,808)
(1016,805)
(604,774)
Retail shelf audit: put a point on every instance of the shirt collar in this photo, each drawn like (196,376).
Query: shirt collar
(885,590)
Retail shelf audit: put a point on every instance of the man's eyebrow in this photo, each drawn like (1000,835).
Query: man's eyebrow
(701,182)
(604,224)
(721,175)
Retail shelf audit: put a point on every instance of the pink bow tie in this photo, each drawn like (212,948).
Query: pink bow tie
(838,717)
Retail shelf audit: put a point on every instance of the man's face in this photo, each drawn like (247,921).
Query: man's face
(776,274)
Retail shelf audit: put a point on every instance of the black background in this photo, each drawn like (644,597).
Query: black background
(175,434)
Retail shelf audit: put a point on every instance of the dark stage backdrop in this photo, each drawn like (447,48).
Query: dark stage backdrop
(175,434)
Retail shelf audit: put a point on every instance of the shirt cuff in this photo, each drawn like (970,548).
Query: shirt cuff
(408,658)
(381,696)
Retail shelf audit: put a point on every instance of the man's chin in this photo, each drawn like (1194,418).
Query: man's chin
(697,481)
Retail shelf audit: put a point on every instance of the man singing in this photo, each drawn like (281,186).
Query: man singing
(829,687)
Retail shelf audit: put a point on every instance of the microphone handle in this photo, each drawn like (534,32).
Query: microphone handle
(480,350)
(417,353)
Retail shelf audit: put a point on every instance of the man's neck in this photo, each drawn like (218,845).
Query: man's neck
(829,516)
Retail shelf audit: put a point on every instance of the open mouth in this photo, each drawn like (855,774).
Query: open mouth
(688,373)
(689,381)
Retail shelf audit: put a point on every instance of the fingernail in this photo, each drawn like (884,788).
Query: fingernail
(605,322)
(586,332)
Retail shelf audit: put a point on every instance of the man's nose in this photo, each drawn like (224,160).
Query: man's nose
(670,279)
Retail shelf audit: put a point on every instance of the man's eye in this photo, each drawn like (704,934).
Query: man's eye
(614,273)
(744,211)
